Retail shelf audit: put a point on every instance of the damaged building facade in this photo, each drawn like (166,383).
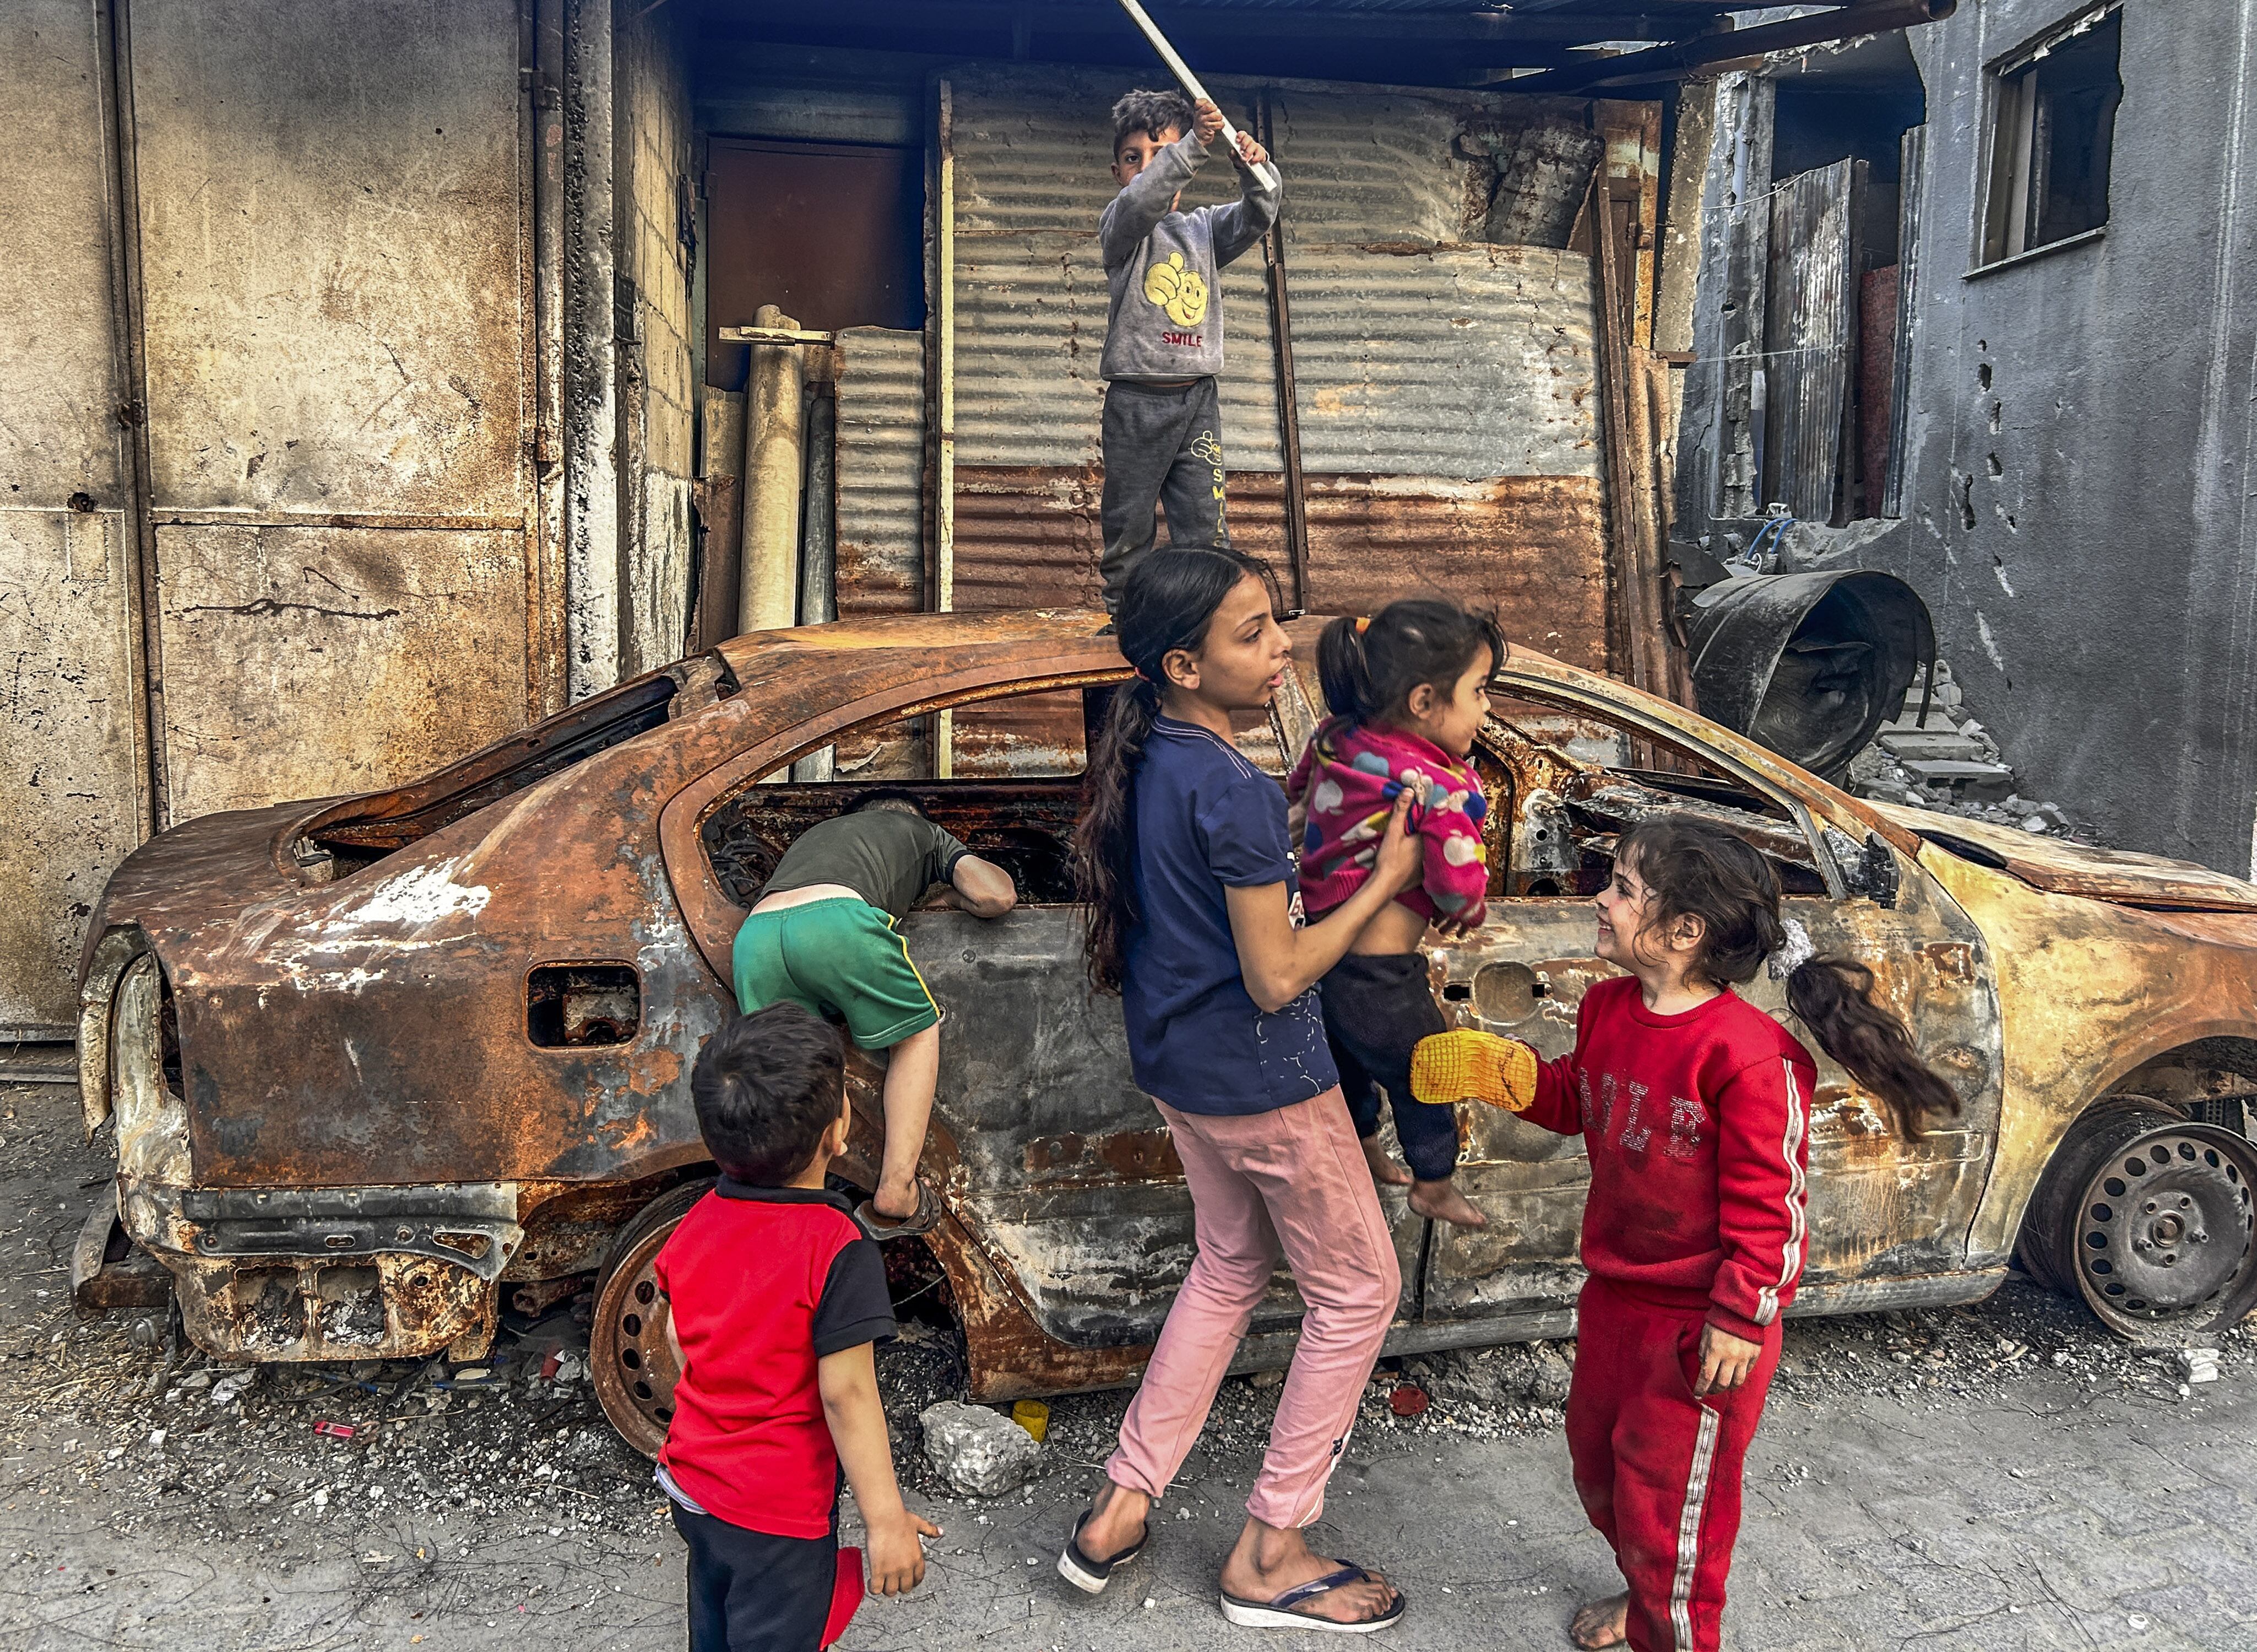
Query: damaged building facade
(1974,308)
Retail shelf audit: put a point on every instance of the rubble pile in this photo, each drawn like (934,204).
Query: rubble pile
(1947,763)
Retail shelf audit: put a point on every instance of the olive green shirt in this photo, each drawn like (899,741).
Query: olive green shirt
(887,855)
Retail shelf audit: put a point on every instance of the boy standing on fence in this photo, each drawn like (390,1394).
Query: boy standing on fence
(1162,429)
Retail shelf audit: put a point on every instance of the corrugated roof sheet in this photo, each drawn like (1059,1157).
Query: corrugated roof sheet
(881,479)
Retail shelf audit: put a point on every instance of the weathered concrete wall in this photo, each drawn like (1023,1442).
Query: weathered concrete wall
(652,154)
(335,285)
(73,765)
(2076,507)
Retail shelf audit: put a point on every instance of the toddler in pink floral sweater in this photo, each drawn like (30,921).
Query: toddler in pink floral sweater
(1408,692)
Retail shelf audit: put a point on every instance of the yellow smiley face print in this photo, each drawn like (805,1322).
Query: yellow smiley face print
(1178,291)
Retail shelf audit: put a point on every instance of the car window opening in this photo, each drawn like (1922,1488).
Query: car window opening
(366,829)
(1023,826)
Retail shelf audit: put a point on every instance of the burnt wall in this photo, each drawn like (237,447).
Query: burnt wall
(2080,429)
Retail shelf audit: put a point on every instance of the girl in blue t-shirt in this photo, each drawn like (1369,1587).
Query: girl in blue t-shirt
(1194,919)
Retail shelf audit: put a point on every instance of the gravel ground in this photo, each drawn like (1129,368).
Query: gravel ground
(149,1498)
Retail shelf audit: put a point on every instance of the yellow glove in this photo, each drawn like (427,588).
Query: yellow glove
(1466,1065)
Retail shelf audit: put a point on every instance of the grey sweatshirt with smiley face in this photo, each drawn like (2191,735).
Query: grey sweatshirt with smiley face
(1165,320)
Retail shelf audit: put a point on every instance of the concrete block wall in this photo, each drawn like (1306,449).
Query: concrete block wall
(655,157)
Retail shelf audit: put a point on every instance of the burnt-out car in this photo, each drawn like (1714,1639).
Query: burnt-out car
(375,1061)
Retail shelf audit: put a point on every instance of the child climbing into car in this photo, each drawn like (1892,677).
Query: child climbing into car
(826,935)
(1408,692)
(775,1296)
(1162,431)
(1194,919)
(1693,1106)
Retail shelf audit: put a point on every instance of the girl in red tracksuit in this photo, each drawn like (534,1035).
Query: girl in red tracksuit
(1694,1105)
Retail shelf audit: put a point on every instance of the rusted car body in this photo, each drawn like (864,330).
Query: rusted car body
(372,1059)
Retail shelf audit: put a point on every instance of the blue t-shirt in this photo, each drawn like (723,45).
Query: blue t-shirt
(1207,819)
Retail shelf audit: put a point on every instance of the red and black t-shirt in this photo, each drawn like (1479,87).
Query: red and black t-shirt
(763,1282)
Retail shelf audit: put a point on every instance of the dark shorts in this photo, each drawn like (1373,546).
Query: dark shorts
(752,1592)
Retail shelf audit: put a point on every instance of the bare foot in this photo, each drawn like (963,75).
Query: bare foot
(895,1201)
(1602,1623)
(1117,1521)
(1384,1170)
(1441,1202)
(1266,1562)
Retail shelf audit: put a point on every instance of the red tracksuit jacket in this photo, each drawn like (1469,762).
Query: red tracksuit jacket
(1697,1128)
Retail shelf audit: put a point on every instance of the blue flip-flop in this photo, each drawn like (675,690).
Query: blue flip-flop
(1278,1614)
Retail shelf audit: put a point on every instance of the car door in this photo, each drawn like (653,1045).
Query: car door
(1888,1219)
(1061,1167)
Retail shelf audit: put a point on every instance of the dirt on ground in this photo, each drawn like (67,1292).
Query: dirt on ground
(150,1496)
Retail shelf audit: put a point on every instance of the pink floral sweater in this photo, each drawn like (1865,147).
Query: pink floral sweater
(1346,785)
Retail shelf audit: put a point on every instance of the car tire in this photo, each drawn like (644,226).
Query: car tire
(2149,1219)
(628,1358)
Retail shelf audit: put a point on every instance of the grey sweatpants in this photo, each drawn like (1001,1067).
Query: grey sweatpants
(1162,444)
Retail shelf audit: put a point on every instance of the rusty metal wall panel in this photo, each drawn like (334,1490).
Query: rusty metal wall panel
(1464,362)
(1031,329)
(1532,547)
(71,760)
(336,413)
(330,229)
(305,662)
(881,479)
(1457,361)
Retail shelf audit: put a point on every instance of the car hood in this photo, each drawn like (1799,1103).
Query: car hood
(2060,867)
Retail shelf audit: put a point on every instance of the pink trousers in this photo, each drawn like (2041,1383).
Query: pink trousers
(1294,1183)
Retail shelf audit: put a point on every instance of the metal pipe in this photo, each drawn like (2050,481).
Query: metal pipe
(1681,58)
(1178,67)
(944,478)
(775,453)
(114,45)
(818,542)
(1288,407)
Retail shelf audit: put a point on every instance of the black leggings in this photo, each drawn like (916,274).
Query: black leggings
(1375,1009)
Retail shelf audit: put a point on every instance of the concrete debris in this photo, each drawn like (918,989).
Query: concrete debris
(978,1452)
(1948,763)
(2198,1365)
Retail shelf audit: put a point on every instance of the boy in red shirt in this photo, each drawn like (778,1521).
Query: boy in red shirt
(776,1297)
(1693,1106)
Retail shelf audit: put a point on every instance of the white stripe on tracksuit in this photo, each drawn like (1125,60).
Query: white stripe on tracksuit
(1791,1261)
(1689,1533)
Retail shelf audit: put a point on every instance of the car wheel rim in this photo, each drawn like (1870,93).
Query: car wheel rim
(2162,1232)
(628,1358)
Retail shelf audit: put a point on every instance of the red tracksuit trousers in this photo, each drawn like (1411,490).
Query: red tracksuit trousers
(1658,1470)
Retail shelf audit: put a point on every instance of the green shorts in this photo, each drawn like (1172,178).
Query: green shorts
(841,957)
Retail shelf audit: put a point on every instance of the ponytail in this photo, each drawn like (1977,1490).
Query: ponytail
(1834,999)
(1105,836)
(1169,600)
(1700,870)
(1369,667)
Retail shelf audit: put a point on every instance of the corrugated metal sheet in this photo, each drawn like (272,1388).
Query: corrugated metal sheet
(1532,546)
(1359,164)
(1458,361)
(880,486)
(1463,363)
(1030,330)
